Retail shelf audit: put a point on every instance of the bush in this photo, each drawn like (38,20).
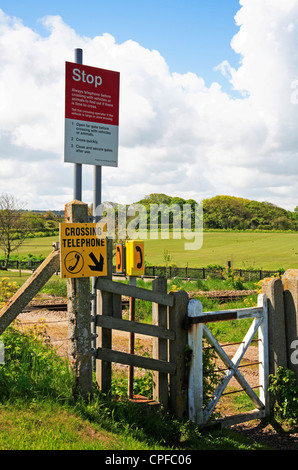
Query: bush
(7,289)
(284,388)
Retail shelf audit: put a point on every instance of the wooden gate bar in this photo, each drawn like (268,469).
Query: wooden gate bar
(224,315)
(113,287)
(135,361)
(134,327)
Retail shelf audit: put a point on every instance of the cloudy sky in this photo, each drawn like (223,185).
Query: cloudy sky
(208,97)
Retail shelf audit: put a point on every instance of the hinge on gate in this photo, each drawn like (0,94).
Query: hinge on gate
(93,351)
(186,322)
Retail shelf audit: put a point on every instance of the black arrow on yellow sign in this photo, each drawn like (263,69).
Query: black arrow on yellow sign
(98,264)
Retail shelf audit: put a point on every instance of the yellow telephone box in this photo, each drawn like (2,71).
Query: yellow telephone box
(135,263)
(120,259)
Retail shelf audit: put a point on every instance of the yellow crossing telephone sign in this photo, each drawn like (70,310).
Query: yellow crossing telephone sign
(83,250)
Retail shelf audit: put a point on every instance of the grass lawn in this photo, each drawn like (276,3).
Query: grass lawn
(258,250)
(37,246)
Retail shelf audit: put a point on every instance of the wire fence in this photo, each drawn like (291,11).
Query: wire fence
(203,273)
(171,272)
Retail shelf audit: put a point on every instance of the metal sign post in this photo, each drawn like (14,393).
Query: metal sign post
(96,219)
(77,188)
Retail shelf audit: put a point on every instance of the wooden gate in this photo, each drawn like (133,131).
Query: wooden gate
(197,330)
(168,361)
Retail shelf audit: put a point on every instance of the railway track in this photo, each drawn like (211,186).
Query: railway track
(221,296)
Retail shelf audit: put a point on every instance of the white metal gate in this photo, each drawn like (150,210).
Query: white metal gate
(197,330)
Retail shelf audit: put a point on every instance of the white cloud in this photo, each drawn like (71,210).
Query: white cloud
(177,135)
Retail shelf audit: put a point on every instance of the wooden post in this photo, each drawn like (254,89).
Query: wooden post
(79,318)
(105,306)
(177,353)
(132,307)
(160,346)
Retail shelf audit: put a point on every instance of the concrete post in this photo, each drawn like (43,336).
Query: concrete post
(290,284)
(273,289)
(79,318)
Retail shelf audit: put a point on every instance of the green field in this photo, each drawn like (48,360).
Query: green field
(244,249)
(37,246)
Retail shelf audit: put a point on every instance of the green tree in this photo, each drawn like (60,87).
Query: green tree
(13,225)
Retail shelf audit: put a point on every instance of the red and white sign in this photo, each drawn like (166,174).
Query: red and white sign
(91,115)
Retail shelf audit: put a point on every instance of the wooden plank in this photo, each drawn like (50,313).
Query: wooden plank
(224,315)
(228,421)
(135,361)
(177,353)
(114,287)
(29,289)
(241,418)
(134,327)
(213,317)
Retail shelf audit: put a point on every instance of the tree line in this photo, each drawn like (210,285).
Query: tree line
(233,213)
(228,212)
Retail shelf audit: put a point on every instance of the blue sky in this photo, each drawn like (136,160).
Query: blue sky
(192,35)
